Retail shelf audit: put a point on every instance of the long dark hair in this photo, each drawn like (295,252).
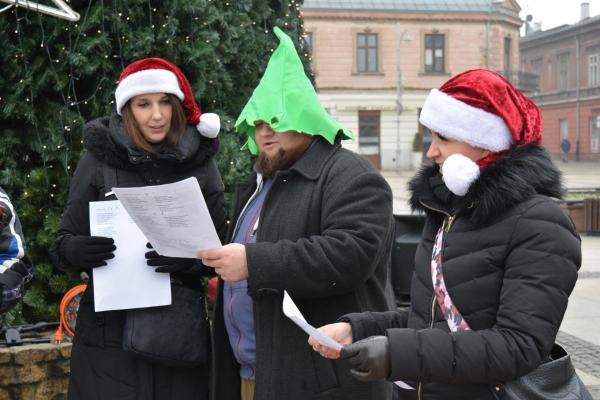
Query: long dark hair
(176,131)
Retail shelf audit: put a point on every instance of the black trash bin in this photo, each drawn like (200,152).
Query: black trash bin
(407,236)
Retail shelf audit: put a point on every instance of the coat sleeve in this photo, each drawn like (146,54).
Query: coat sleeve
(76,217)
(540,271)
(16,269)
(356,234)
(374,323)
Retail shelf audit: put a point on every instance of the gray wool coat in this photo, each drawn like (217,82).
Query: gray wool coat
(325,235)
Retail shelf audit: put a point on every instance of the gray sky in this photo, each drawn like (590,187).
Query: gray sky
(553,13)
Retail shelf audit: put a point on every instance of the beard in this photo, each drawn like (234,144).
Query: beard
(283,159)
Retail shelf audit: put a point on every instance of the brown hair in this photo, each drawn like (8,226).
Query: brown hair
(176,131)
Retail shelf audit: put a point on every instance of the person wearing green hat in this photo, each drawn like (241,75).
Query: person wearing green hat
(313,219)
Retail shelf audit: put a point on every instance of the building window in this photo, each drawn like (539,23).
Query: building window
(368,133)
(593,70)
(308,42)
(366,52)
(563,68)
(563,129)
(434,52)
(595,134)
(536,66)
(507,51)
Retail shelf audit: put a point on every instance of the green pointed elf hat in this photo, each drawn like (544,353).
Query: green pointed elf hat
(286,100)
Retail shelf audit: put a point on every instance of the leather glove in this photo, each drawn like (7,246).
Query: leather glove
(369,358)
(169,264)
(83,252)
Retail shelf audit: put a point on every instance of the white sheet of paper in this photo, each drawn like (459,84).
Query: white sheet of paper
(404,385)
(291,311)
(174,217)
(126,281)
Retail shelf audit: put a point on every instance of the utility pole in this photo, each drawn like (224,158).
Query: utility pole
(404,36)
(578,84)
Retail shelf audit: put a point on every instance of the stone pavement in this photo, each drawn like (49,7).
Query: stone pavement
(580,330)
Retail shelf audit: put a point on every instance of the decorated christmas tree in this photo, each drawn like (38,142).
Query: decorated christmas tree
(56,75)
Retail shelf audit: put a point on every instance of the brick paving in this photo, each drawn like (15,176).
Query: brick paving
(585,355)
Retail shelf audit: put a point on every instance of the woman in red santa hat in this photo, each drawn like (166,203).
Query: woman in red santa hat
(497,260)
(157,135)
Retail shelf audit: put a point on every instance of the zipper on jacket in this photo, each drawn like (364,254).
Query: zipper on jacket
(450,220)
(275,178)
(447,214)
(259,184)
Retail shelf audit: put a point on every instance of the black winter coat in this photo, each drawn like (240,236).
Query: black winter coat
(510,260)
(99,368)
(325,236)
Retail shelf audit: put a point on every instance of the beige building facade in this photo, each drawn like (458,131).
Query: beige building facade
(376,61)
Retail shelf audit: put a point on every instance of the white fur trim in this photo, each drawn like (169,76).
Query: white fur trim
(460,121)
(458,173)
(147,81)
(209,125)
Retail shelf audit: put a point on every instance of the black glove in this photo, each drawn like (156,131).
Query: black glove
(369,358)
(83,252)
(169,264)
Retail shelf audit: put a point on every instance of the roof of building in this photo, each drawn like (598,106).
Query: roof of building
(401,5)
(562,29)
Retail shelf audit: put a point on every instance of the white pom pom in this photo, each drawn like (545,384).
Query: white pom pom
(209,125)
(458,173)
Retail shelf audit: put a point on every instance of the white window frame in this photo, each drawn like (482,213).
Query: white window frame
(593,78)
(563,128)
(595,134)
(563,73)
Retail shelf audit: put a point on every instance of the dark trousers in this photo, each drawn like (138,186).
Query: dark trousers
(101,373)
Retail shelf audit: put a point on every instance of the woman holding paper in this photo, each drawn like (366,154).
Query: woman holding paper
(156,136)
(497,260)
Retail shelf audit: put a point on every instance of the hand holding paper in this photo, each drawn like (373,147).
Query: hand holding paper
(322,339)
(291,311)
(341,332)
(228,261)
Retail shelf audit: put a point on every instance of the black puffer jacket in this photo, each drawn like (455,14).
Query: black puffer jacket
(101,370)
(510,261)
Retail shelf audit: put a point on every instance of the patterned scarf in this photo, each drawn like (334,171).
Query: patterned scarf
(453,317)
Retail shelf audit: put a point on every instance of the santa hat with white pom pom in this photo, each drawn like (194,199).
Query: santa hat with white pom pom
(483,109)
(156,75)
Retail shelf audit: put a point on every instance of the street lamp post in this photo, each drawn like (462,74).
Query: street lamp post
(404,36)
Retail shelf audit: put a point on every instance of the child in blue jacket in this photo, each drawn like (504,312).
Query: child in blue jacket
(16,269)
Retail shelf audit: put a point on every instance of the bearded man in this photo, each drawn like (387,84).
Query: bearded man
(314,220)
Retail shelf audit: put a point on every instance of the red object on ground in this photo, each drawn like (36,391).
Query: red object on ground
(211,292)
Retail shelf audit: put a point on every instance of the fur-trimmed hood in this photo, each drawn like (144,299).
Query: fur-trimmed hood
(515,177)
(106,138)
